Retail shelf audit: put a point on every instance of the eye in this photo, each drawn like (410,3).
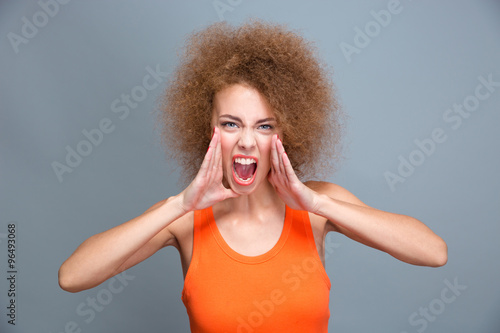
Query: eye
(229,124)
(266,127)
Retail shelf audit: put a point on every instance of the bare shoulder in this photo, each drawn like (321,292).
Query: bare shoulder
(334,191)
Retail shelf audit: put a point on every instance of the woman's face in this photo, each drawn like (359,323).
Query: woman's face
(247,125)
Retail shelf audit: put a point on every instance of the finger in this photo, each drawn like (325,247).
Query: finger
(213,140)
(207,160)
(218,149)
(279,175)
(214,169)
(213,150)
(275,155)
(281,150)
(218,157)
(288,167)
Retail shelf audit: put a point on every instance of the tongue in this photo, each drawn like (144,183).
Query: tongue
(244,171)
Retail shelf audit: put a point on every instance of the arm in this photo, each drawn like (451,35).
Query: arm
(110,252)
(115,250)
(401,236)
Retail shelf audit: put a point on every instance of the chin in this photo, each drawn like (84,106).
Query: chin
(243,188)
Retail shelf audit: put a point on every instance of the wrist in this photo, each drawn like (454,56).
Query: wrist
(323,202)
(174,204)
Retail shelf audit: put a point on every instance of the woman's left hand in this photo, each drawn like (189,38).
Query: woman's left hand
(290,189)
(402,236)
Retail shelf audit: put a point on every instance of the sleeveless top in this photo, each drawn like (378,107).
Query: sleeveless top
(283,290)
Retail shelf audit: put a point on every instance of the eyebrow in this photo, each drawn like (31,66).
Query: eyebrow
(265,120)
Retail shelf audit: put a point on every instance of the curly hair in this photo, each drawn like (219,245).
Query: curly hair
(275,61)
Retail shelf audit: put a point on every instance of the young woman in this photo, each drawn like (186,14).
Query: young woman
(249,113)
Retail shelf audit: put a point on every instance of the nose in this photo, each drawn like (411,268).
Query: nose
(247,139)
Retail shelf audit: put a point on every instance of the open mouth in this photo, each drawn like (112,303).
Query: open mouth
(244,169)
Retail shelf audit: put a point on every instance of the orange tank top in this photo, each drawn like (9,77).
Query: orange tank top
(283,290)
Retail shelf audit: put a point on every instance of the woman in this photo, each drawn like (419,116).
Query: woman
(249,232)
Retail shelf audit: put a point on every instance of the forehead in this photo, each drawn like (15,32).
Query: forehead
(242,101)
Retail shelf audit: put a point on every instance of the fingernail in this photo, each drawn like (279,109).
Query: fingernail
(208,149)
(213,132)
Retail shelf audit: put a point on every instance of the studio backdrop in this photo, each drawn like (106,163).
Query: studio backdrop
(80,152)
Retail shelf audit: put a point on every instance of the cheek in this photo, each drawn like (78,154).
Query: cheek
(265,149)
(226,146)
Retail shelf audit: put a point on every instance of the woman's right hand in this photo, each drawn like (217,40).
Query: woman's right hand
(207,189)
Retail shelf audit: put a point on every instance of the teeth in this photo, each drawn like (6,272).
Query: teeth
(244,161)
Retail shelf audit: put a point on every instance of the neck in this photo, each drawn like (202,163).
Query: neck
(260,203)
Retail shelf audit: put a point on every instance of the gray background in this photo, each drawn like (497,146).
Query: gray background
(395,90)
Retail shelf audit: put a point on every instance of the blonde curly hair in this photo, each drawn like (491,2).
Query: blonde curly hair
(276,61)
